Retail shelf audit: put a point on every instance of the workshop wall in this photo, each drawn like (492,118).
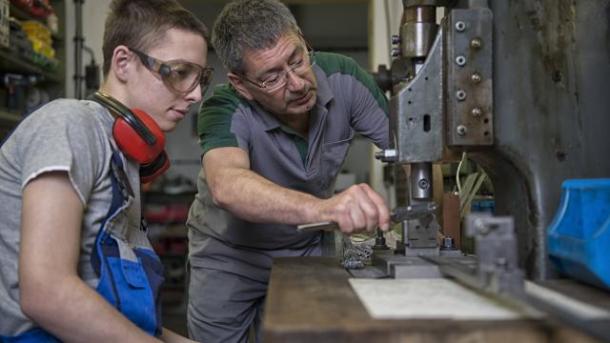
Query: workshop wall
(94,15)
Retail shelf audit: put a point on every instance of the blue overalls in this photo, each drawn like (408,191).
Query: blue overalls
(130,273)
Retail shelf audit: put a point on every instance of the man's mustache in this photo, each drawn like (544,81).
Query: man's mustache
(297,95)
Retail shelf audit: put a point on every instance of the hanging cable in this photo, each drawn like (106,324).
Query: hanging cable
(457,174)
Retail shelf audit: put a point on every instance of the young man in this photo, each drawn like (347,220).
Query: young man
(273,143)
(76,263)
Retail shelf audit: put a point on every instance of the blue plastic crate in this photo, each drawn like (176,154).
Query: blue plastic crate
(579,236)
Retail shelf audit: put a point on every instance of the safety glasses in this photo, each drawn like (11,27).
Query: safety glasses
(180,76)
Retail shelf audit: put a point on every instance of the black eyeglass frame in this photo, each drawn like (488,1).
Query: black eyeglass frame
(262,86)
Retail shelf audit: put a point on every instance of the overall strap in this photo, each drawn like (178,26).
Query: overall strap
(130,276)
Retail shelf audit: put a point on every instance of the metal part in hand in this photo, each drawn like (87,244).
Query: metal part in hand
(399,214)
(324,226)
(413,211)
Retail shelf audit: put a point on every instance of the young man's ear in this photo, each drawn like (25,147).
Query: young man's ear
(238,84)
(119,67)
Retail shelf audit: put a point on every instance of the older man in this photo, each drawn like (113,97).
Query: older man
(273,142)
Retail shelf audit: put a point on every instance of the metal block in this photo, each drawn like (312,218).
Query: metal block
(406,267)
(421,233)
(496,251)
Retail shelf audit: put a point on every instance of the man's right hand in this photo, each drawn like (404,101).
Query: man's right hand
(356,209)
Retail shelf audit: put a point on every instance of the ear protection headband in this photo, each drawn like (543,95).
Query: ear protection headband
(138,136)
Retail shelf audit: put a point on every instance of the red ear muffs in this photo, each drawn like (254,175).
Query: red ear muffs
(138,136)
(149,172)
(134,144)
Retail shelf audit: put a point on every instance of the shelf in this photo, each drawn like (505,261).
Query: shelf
(11,62)
(33,71)
(21,14)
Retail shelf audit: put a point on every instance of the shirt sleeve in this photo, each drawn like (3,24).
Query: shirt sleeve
(216,122)
(369,108)
(63,136)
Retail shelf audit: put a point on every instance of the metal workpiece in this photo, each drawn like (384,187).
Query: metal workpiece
(413,211)
(419,228)
(399,266)
(416,111)
(419,236)
(405,267)
(469,77)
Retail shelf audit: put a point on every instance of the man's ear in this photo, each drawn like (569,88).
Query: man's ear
(238,84)
(119,67)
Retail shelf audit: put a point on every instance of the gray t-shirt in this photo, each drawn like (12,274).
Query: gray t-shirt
(348,102)
(64,135)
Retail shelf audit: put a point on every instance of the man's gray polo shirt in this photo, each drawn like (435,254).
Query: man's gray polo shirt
(348,101)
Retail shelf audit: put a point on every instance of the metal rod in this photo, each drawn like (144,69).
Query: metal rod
(421,181)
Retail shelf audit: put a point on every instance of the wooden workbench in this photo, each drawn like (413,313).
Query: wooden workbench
(310,300)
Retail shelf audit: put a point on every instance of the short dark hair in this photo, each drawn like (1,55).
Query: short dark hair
(250,25)
(139,24)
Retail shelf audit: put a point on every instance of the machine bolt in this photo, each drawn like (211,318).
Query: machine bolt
(395,52)
(475,77)
(476,112)
(460,60)
(447,243)
(395,39)
(387,155)
(423,184)
(460,26)
(461,130)
(476,43)
(460,95)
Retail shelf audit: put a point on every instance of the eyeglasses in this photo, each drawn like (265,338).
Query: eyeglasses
(300,65)
(180,76)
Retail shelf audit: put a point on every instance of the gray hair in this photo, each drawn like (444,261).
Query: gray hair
(249,25)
